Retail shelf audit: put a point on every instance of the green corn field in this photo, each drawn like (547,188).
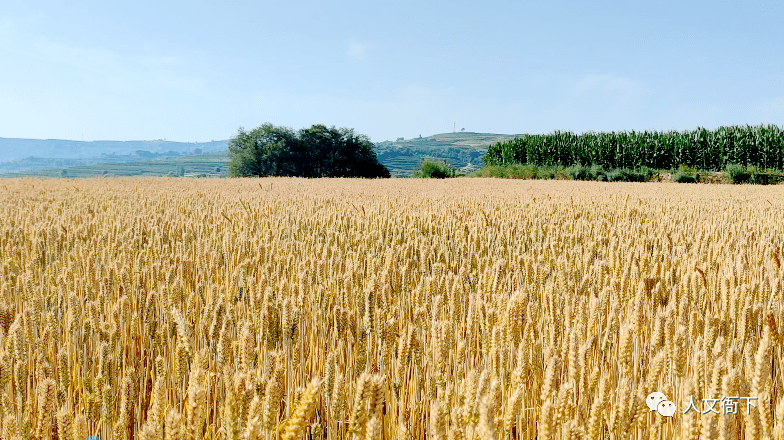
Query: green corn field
(761,146)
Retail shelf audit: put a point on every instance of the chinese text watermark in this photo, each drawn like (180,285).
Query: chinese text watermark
(658,402)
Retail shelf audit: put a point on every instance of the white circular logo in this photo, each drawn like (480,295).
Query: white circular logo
(666,408)
(653,400)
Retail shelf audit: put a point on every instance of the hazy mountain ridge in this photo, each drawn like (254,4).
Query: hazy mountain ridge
(462,150)
(14,148)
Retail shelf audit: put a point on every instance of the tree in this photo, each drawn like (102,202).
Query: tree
(144,153)
(317,151)
(435,168)
(197,151)
(259,152)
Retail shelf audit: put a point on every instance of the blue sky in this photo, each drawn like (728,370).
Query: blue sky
(196,71)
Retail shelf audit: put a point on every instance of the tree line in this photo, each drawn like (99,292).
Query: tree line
(318,151)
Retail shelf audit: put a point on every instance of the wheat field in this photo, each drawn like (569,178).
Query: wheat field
(388,309)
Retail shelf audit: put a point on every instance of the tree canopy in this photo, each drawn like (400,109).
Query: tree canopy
(317,151)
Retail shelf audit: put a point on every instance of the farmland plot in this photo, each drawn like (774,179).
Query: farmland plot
(339,308)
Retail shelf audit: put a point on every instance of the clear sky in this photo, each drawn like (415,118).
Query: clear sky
(196,71)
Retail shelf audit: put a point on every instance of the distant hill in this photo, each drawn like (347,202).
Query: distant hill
(463,150)
(12,148)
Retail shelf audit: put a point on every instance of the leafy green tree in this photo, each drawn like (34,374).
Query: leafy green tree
(435,168)
(317,151)
(260,151)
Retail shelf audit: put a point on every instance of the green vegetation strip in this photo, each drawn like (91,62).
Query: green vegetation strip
(760,146)
(203,165)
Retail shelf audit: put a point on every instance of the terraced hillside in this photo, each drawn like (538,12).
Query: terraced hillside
(206,165)
(459,149)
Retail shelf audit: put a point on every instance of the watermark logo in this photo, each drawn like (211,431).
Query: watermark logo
(727,405)
(658,402)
